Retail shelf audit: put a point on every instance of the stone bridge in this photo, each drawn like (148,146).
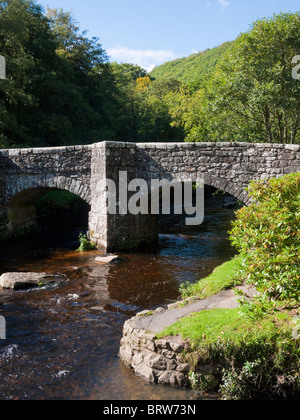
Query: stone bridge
(26,174)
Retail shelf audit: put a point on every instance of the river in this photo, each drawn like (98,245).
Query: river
(63,342)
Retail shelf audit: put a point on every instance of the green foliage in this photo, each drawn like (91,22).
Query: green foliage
(253,92)
(253,380)
(53,201)
(59,88)
(145,111)
(267,235)
(85,244)
(251,96)
(203,381)
(193,69)
(127,73)
(189,114)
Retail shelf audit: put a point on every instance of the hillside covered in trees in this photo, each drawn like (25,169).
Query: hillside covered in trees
(61,88)
(194,68)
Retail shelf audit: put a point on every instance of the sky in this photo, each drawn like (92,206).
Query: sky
(151,33)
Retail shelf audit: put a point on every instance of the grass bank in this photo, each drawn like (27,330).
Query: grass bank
(234,355)
(224,277)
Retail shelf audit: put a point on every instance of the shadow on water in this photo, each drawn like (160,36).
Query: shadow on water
(63,343)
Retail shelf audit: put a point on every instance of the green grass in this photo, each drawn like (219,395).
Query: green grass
(241,358)
(224,277)
(59,198)
(227,326)
(235,355)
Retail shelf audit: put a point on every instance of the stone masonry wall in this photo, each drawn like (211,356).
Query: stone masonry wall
(117,231)
(98,218)
(228,166)
(62,167)
(25,172)
(157,361)
(78,169)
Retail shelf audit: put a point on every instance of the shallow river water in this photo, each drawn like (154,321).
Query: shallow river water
(62,343)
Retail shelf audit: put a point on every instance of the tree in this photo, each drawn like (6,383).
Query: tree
(153,111)
(74,45)
(253,96)
(59,89)
(189,114)
(127,73)
(29,49)
(96,104)
(144,114)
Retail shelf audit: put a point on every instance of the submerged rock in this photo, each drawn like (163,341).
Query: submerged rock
(24,281)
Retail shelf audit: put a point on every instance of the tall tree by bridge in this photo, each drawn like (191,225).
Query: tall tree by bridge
(59,87)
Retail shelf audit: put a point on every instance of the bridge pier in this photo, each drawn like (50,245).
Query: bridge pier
(122,230)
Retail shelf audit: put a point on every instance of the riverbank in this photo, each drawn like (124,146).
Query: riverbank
(204,342)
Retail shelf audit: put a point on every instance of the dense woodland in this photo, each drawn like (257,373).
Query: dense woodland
(193,69)
(61,88)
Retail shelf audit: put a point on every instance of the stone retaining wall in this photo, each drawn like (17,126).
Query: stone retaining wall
(158,361)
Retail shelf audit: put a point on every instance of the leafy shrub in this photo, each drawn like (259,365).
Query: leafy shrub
(85,244)
(267,234)
(254,381)
(237,385)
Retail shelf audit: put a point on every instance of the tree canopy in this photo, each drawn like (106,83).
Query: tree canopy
(57,81)
(252,96)
(61,88)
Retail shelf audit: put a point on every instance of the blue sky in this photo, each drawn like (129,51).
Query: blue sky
(150,33)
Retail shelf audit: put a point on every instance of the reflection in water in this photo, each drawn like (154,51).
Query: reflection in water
(62,343)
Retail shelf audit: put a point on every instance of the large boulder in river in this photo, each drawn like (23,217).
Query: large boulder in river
(24,281)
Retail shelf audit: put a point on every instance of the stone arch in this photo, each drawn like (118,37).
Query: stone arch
(20,210)
(236,189)
(230,186)
(29,183)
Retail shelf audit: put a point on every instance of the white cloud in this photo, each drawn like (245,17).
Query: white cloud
(147,59)
(223,4)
